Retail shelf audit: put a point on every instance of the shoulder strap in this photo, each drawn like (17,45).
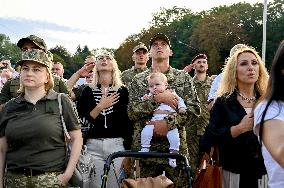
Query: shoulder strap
(61,116)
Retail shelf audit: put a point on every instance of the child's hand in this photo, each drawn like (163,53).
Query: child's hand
(146,97)
(182,110)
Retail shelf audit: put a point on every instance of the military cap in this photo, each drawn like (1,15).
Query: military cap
(160,36)
(34,39)
(50,55)
(35,55)
(203,56)
(140,46)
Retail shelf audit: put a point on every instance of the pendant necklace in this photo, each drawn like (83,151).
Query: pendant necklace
(247,99)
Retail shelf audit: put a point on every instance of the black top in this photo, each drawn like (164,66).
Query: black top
(241,155)
(113,122)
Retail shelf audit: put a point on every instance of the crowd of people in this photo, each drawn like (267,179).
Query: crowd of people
(155,108)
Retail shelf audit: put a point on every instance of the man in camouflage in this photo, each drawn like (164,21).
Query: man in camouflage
(140,58)
(11,87)
(202,83)
(141,111)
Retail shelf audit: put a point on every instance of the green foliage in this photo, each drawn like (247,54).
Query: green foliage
(275,25)
(8,50)
(167,16)
(71,63)
(213,32)
(219,30)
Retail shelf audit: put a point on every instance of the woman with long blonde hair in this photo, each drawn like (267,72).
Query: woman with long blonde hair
(230,126)
(103,104)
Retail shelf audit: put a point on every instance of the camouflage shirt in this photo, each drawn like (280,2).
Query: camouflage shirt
(129,74)
(141,111)
(197,129)
(202,89)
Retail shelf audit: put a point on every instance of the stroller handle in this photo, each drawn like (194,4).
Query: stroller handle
(136,154)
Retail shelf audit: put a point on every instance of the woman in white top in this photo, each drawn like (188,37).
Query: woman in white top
(269,122)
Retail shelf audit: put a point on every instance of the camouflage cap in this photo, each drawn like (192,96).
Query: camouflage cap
(34,39)
(50,55)
(140,46)
(160,36)
(35,55)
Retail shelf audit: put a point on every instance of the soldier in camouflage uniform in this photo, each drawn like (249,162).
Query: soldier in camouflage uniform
(11,87)
(141,111)
(32,144)
(202,83)
(140,58)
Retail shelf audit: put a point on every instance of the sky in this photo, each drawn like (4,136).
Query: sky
(95,23)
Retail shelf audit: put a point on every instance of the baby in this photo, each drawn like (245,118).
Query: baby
(157,83)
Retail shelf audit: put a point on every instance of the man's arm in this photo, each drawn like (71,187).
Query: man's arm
(82,72)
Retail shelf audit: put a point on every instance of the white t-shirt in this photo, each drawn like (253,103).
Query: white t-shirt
(274,170)
(214,87)
(81,81)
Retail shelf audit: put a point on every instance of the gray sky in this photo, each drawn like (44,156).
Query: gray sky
(95,23)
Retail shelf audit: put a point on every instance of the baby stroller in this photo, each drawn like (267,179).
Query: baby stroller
(140,155)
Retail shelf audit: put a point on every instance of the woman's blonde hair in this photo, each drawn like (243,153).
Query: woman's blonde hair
(49,85)
(229,77)
(116,73)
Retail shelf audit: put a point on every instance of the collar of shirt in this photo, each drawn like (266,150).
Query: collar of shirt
(51,95)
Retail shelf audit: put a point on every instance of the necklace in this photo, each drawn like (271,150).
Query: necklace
(247,99)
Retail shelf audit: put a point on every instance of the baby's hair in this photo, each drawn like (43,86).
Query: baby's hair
(157,75)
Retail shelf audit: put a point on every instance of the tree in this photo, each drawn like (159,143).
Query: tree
(167,16)
(124,52)
(176,23)
(62,52)
(9,50)
(275,25)
(223,27)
